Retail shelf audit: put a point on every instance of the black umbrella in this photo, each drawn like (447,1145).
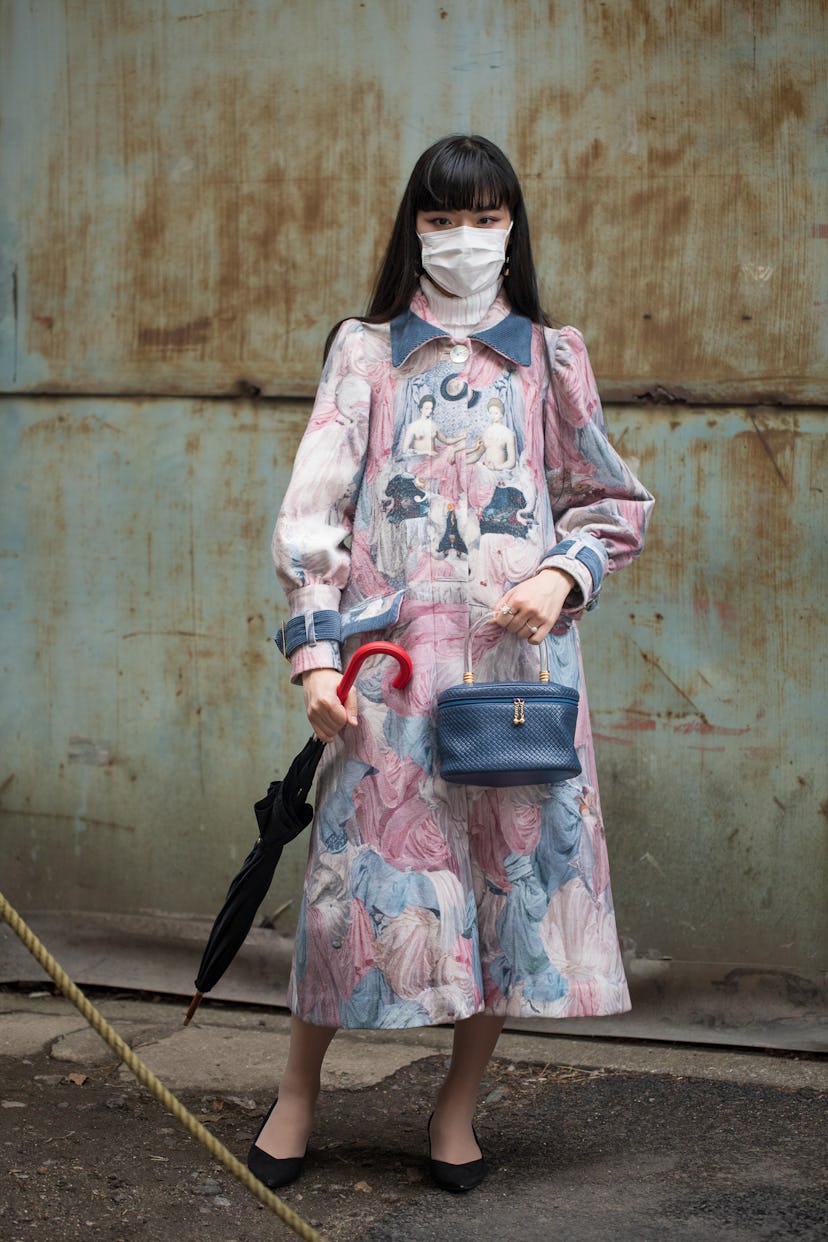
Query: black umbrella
(281,815)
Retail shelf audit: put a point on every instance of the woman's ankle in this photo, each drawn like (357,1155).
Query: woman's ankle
(298,1091)
(452,1138)
(454,1108)
(457,1094)
(285,1133)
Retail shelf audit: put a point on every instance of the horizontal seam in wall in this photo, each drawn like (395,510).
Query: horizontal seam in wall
(642,401)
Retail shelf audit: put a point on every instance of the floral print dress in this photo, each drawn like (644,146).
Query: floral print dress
(436,472)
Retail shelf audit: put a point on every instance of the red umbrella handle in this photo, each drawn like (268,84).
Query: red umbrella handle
(369,649)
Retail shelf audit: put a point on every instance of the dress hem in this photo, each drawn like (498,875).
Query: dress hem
(487,1010)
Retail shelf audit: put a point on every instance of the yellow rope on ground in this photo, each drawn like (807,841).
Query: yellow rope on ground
(145,1075)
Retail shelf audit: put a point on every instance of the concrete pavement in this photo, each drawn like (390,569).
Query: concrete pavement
(588,1139)
(242,1049)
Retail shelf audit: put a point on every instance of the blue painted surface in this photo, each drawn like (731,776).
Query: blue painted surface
(144,707)
(709,695)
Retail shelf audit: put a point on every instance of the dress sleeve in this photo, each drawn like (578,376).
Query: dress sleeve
(600,508)
(311,541)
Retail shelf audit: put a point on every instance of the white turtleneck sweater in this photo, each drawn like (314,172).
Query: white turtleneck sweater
(459,316)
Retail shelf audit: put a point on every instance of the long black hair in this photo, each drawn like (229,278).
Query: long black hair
(463,172)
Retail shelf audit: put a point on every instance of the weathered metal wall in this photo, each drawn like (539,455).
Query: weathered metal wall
(144,707)
(191,195)
(709,690)
(193,190)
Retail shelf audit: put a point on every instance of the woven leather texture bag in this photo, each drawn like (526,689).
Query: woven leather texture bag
(498,733)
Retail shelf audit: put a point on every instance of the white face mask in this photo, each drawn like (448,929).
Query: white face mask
(464,260)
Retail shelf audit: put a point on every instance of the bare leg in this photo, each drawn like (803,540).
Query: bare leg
(290,1123)
(452,1139)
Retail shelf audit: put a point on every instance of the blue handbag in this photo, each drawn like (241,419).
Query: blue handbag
(499,733)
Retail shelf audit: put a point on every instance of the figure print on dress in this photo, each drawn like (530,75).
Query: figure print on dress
(465,446)
(452,540)
(401,525)
(406,499)
(506,513)
(423,433)
(424,446)
(497,444)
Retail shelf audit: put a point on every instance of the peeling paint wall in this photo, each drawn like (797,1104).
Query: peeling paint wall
(708,690)
(145,708)
(192,194)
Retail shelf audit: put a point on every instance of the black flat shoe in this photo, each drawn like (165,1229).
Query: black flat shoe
(273,1171)
(456,1177)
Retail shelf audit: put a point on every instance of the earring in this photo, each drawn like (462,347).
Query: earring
(505,270)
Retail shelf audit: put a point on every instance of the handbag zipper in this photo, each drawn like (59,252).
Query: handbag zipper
(508,698)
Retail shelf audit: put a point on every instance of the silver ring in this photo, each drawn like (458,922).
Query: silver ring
(506,611)
(533,629)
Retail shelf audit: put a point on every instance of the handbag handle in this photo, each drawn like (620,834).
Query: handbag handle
(468,674)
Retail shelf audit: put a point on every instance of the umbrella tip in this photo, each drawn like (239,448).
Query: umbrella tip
(194,1004)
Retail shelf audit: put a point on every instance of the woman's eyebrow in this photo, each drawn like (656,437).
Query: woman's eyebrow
(477,211)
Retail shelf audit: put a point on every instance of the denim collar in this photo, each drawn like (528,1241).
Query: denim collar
(511,337)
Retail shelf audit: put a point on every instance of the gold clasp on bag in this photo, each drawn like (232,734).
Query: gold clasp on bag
(519,716)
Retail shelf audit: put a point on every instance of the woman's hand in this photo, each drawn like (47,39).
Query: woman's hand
(324,710)
(535,604)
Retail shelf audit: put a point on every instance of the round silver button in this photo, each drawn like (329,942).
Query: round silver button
(459,353)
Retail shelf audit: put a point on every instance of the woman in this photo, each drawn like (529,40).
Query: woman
(424,902)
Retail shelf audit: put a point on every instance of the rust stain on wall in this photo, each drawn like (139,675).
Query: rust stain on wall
(188,334)
(193,221)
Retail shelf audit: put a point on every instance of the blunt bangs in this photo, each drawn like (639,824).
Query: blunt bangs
(462,172)
(466,176)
